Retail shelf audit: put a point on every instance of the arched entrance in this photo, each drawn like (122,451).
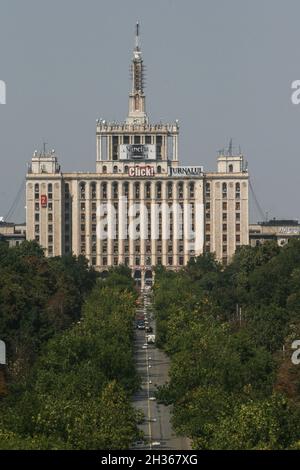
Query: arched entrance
(104,274)
(138,277)
(148,278)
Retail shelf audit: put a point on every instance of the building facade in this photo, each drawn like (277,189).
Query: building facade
(140,207)
(276,229)
(13,234)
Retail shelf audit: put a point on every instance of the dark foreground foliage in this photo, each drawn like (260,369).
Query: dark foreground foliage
(70,347)
(229,333)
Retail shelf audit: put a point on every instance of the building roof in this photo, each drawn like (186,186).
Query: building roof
(280,223)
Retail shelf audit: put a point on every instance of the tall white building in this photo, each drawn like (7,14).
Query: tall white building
(140,207)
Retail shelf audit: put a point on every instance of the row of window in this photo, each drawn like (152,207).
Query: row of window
(136,190)
(224,189)
(170,261)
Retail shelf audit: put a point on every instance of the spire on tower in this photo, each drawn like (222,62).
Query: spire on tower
(137,36)
(137,112)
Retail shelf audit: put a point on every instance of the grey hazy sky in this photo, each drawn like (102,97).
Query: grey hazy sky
(222,67)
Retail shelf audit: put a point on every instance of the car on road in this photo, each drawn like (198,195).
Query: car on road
(140,325)
(150,339)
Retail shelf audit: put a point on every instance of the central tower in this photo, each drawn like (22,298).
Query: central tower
(136,141)
(137,105)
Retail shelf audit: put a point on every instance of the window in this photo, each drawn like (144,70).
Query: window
(93,190)
(104,169)
(37,206)
(224,227)
(237,227)
(148,190)
(148,139)
(224,190)
(192,190)
(158,190)
(126,139)
(115,190)
(159,169)
(137,139)
(37,217)
(224,206)
(230,168)
(82,190)
(181,260)
(115,169)
(115,147)
(158,146)
(180,190)
(50,218)
(104,190)
(237,206)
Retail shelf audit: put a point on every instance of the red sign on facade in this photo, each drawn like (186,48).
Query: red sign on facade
(44,200)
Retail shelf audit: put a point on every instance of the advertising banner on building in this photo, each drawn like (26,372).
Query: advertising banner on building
(137,152)
(44,200)
(180,171)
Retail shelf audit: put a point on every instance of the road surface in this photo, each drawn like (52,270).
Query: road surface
(153,367)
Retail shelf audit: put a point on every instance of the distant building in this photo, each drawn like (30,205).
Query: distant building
(12,233)
(276,229)
(175,212)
